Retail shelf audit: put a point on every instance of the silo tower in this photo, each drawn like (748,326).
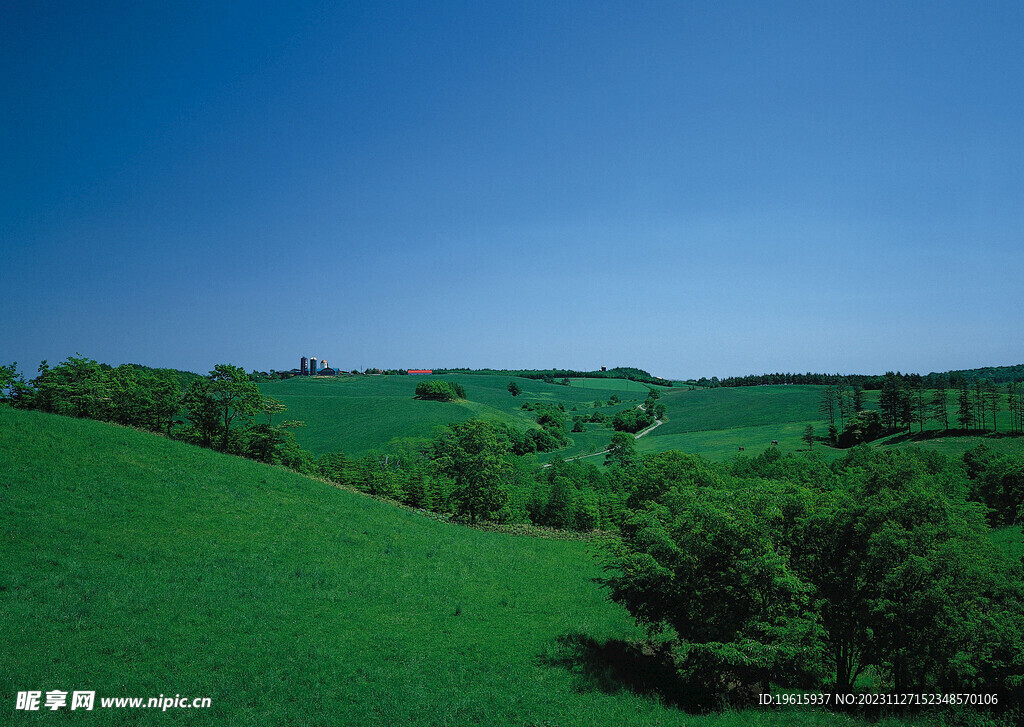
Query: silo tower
(304,366)
(312,365)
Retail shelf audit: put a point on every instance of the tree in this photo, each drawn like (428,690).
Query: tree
(479,464)
(919,405)
(858,398)
(864,426)
(621,450)
(908,579)
(878,563)
(632,420)
(235,395)
(515,389)
(271,407)
(215,402)
(561,503)
(77,387)
(827,405)
(938,404)
(965,408)
(203,411)
(808,436)
(990,394)
(704,566)
(894,401)
(8,375)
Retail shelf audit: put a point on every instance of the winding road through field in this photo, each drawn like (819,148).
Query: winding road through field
(641,433)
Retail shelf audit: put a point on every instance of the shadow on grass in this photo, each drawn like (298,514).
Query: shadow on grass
(930,434)
(615,665)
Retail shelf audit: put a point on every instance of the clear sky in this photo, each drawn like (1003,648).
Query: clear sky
(693,188)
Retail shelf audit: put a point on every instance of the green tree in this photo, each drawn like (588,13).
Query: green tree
(938,404)
(990,395)
(894,402)
(907,577)
(808,436)
(479,464)
(236,396)
(561,504)
(203,412)
(827,404)
(705,567)
(858,398)
(621,450)
(77,387)
(215,402)
(8,376)
(965,408)
(515,389)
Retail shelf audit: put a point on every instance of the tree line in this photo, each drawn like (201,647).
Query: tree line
(908,400)
(223,410)
(873,382)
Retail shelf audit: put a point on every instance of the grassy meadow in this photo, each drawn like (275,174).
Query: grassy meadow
(136,566)
(360,413)
(355,414)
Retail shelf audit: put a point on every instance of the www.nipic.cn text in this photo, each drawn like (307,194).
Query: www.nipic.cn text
(56,699)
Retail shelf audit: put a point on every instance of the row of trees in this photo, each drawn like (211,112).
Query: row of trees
(472,470)
(129,394)
(905,401)
(946,380)
(222,410)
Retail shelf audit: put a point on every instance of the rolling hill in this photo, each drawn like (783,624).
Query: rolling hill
(136,566)
(361,413)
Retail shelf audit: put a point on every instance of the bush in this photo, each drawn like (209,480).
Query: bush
(440,391)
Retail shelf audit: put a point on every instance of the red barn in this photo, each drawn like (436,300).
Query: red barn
(420,371)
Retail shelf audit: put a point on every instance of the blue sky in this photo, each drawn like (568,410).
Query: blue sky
(696,189)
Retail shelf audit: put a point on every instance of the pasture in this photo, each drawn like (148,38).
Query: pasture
(355,414)
(361,413)
(139,566)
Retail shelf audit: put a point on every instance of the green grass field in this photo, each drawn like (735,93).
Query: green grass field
(136,566)
(607,387)
(360,413)
(357,414)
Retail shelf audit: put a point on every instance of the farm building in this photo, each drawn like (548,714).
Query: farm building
(420,372)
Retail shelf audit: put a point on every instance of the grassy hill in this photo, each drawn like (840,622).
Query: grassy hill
(136,566)
(356,414)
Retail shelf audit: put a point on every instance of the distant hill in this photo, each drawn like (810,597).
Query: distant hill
(996,374)
(619,372)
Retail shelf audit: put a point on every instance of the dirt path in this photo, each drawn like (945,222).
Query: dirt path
(642,432)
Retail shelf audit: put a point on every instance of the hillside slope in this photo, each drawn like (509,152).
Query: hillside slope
(137,566)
